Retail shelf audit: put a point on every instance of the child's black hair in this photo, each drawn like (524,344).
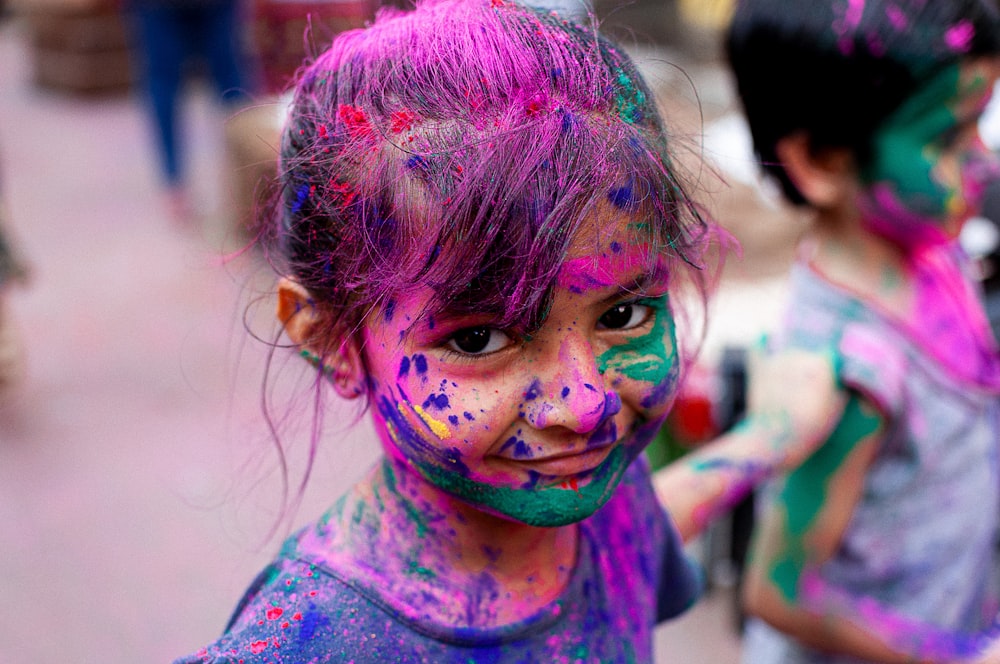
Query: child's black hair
(836,69)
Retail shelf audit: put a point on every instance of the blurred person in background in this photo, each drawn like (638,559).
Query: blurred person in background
(172,37)
(12,271)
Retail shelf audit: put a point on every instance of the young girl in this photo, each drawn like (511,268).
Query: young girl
(882,546)
(482,236)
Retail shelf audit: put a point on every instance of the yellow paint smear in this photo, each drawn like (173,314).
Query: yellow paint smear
(440,429)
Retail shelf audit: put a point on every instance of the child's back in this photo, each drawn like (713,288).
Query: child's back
(881,547)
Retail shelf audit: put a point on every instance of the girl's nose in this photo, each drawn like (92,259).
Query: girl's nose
(572,396)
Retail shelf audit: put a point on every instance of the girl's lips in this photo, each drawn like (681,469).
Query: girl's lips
(564,464)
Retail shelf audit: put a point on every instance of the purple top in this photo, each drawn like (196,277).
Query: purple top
(631,573)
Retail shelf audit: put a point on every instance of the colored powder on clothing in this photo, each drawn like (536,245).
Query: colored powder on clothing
(806,489)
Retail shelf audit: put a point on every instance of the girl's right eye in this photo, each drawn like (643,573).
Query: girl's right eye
(478,341)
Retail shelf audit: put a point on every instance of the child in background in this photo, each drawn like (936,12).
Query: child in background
(481,234)
(12,272)
(881,547)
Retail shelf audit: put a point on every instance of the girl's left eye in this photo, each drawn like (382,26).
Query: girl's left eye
(478,341)
(624,316)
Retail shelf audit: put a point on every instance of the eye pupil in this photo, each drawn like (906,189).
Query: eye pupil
(617,317)
(472,340)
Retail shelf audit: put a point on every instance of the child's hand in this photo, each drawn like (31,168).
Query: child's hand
(794,398)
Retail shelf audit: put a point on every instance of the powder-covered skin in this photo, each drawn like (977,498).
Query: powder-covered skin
(309,606)
(929,167)
(541,429)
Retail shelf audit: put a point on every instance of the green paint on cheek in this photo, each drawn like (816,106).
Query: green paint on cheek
(907,147)
(807,490)
(648,358)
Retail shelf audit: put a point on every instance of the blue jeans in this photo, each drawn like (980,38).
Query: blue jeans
(171,35)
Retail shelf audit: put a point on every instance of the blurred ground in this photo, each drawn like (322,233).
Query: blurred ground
(135,502)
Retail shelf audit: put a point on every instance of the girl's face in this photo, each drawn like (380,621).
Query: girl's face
(537,429)
(929,166)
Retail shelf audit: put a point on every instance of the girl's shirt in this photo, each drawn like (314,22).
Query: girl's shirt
(631,573)
(918,556)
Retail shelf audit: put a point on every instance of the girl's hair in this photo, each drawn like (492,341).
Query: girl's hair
(836,69)
(458,146)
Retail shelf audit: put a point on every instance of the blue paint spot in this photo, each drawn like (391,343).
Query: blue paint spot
(301,194)
(438,401)
(430,323)
(659,394)
(565,392)
(453,419)
(533,478)
(507,444)
(623,198)
(390,309)
(416,162)
(312,620)
(590,387)
(569,123)
(453,457)
(420,362)
(404,367)
(469,416)
(616,248)
(534,391)
(612,405)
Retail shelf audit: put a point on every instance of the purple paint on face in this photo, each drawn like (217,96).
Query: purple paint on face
(420,362)
(404,367)
(545,411)
(533,391)
(521,450)
(438,401)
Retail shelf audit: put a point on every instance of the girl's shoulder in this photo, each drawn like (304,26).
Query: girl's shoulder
(297,611)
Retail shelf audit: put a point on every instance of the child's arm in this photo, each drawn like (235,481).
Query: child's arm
(793,404)
(804,530)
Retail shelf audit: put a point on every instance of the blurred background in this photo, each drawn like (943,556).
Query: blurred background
(138,483)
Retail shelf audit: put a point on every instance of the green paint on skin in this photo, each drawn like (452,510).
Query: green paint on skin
(411,511)
(650,345)
(807,488)
(416,569)
(540,506)
(908,145)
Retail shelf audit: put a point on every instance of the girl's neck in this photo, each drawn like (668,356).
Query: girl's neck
(437,557)
(847,254)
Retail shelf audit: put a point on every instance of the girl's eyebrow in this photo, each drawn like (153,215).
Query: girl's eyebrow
(638,287)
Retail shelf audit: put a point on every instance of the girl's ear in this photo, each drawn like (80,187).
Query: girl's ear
(343,366)
(825,178)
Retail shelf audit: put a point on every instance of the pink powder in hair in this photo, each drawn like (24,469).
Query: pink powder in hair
(959,36)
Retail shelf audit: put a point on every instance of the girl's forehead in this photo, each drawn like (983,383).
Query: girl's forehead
(611,249)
